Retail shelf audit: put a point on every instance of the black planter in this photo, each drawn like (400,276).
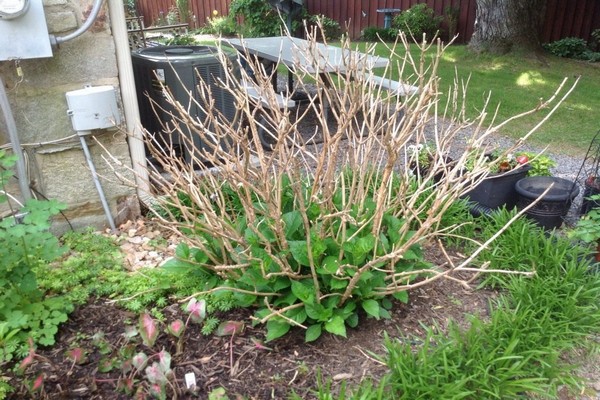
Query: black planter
(496,191)
(551,209)
(420,171)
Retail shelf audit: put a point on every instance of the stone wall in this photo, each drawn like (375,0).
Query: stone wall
(55,157)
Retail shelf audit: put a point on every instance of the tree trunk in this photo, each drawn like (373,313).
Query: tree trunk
(508,25)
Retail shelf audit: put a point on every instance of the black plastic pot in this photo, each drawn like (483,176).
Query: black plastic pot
(554,205)
(496,191)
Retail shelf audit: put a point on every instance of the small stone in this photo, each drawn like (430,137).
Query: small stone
(342,376)
(135,240)
(126,226)
(152,234)
(596,386)
(132,232)
(127,247)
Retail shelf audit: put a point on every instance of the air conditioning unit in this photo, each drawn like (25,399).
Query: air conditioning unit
(180,69)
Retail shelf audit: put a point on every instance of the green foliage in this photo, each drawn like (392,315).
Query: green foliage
(130,8)
(588,227)
(5,388)
(518,349)
(94,267)
(259,18)
(524,247)
(220,26)
(10,343)
(570,47)
(180,40)
(340,287)
(558,307)
(462,364)
(376,34)
(80,275)
(331,29)
(541,164)
(418,20)
(24,308)
(183,9)
(459,223)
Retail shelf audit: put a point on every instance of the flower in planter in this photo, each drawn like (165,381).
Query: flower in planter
(541,164)
(500,162)
(420,156)
(593,181)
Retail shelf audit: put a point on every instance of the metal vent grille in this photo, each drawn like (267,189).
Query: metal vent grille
(179,69)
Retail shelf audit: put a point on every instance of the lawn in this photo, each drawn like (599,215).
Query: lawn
(516,83)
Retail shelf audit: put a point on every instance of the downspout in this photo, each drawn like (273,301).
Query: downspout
(16,144)
(129,99)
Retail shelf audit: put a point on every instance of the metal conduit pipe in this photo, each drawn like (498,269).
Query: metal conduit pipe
(55,41)
(88,157)
(16,143)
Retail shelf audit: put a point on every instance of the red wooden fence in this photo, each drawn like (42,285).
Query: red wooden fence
(564,18)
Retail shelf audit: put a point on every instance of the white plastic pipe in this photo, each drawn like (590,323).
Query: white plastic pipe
(129,98)
(16,143)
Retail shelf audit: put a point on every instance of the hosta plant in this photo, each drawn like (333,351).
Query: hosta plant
(317,235)
(340,288)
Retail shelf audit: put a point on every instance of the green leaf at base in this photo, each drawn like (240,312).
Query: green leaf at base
(313,333)
(336,326)
(276,329)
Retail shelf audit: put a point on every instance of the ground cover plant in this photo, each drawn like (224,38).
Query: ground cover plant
(307,239)
(26,314)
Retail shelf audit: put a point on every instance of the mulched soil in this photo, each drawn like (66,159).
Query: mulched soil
(238,364)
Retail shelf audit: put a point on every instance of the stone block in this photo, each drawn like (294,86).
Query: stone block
(66,177)
(61,21)
(88,59)
(50,3)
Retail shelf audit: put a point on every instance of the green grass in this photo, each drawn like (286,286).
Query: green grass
(517,83)
(519,349)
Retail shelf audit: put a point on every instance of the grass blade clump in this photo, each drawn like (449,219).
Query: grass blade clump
(519,350)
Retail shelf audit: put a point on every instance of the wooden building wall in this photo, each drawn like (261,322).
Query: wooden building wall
(564,18)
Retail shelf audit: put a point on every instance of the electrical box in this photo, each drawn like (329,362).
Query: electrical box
(93,108)
(23,30)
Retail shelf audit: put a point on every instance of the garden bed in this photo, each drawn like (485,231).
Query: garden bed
(289,365)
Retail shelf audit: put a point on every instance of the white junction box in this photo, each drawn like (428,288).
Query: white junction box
(93,107)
